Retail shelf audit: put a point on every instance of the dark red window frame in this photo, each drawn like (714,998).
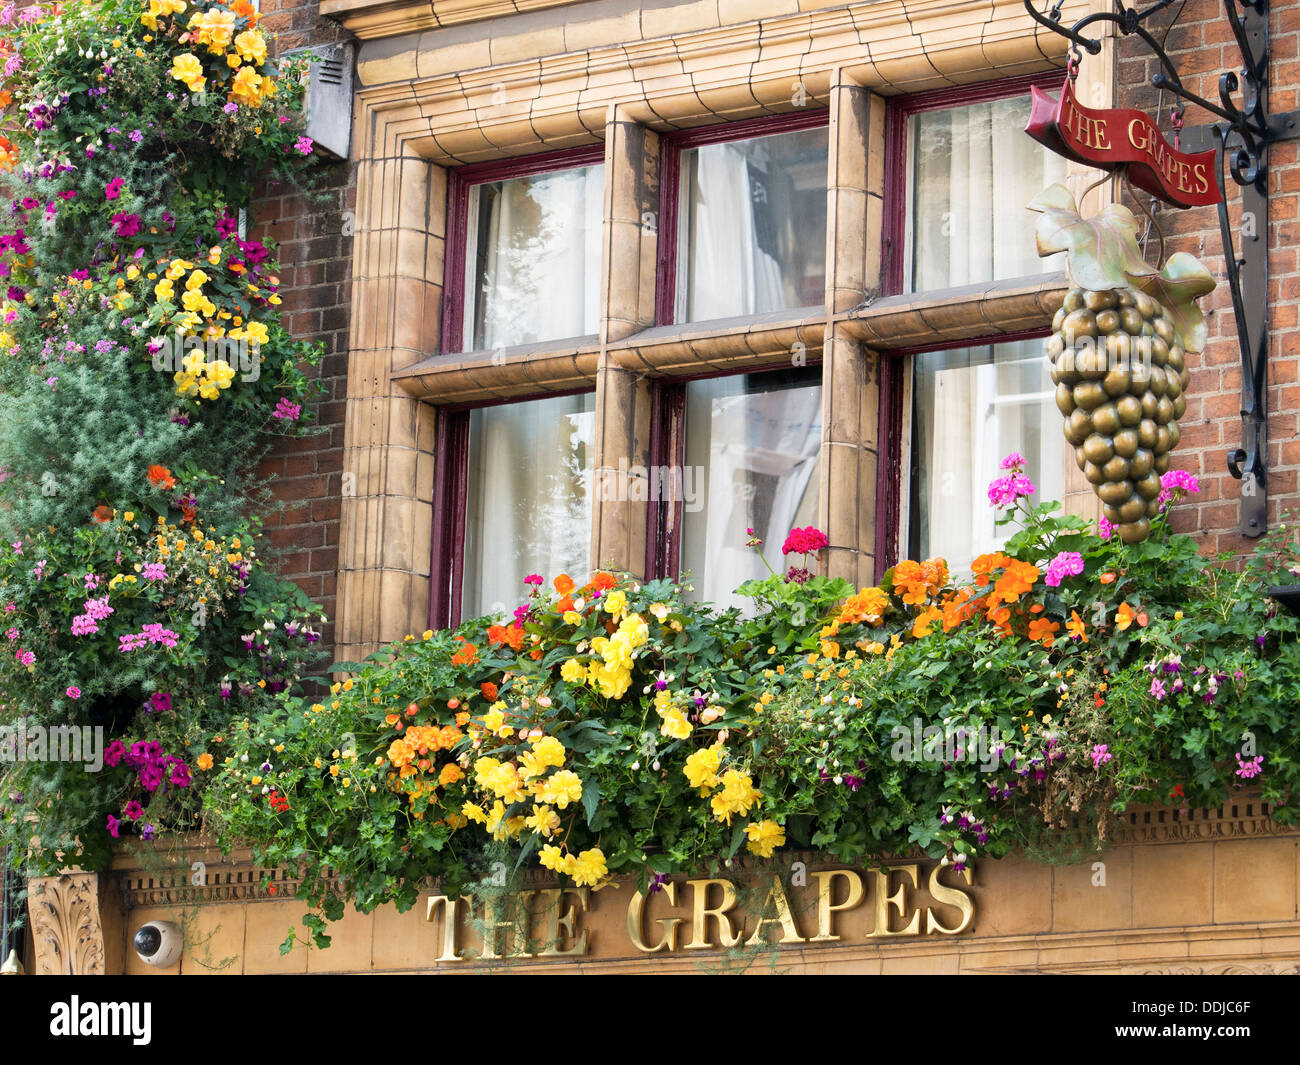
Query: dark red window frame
(459,182)
(889,458)
(901,109)
(663,552)
(670,172)
(450,500)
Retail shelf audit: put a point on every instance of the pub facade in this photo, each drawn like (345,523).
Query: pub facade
(603,285)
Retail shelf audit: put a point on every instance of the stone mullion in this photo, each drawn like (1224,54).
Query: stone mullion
(630,240)
(850,391)
(386,513)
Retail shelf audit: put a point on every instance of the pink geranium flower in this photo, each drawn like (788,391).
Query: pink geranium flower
(1066,564)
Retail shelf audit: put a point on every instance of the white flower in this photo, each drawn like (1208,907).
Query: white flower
(636,766)
(655,765)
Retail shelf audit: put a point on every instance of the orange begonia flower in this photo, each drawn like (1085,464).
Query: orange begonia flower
(1042,630)
(564,584)
(466,656)
(961,607)
(1124,617)
(1075,627)
(103,513)
(869,604)
(1108,578)
(489,691)
(161,476)
(924,620)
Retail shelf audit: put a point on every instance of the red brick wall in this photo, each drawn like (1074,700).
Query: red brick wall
(315,253)
(1201,45)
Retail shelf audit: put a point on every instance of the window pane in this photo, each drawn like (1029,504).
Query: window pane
(752,226)
(532,263)
(529,501)
(973,407)
(751,446)
(964,228)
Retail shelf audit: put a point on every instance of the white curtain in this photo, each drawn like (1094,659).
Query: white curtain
(529,501)
(974,407)
(533,260)
(722,270)
(974,170)
(755,459)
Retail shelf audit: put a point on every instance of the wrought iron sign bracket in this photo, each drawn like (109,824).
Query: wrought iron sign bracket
(1241,136)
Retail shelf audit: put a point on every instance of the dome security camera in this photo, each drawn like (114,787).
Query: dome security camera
(158,943)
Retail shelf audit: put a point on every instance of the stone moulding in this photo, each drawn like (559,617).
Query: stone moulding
(237,879)
(382,18)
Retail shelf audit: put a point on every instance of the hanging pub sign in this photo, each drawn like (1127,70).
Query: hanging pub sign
(1110,138)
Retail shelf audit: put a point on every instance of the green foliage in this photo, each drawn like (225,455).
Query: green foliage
(143,373)
(842,713)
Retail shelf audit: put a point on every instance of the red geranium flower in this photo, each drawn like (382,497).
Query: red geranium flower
(804,541)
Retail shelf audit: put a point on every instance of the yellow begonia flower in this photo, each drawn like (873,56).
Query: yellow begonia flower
(244,87)
(738,794)
(252,46)
(216,28)
(197,280)
(616,604)
(675,724)
(222,373)
(163,291)
(559,789)
(544,820)
(256,332)
(702,767)
(186,384)
(764,837)
(589,868)
(192,300)
(188,69)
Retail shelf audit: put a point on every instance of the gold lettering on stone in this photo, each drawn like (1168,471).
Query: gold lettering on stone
(898,901)
(511,918)
(948,896)
(450,926)
(565,924)
(636,922)
(701,912)
(777,900)
(826,906)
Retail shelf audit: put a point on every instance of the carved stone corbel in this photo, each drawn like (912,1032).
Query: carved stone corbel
(66,927)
